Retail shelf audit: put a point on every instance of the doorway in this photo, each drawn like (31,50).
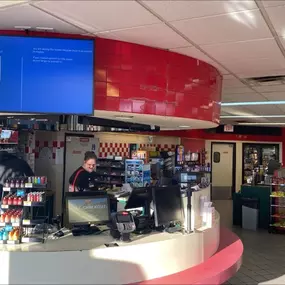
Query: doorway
(75,147)
(223,170)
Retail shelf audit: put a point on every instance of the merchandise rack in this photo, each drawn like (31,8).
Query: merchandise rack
(277,209)
(29,217)
(111,171)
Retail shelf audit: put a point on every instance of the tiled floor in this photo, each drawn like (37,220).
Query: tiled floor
(264,253)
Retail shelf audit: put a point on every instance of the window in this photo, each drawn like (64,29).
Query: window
(217,157)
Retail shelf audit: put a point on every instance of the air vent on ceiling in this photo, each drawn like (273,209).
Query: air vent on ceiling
(266,80)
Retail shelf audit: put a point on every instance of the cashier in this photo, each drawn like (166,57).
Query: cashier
(84,178)
(273,165)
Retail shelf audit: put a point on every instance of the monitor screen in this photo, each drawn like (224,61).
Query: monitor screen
(46,75)
(139,198)
(88,210)
(5,134)
(167,205)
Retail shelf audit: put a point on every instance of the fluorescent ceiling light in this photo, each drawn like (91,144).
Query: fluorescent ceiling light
(262,124)
(124,117)
(251,116)
(44,28)
(23,27)
(184,126)
(253,103)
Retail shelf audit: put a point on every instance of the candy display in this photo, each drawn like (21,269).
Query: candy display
(22,182)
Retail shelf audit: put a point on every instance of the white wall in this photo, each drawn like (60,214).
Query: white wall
(239,156)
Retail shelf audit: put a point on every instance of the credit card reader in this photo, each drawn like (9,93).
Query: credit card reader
(123,225)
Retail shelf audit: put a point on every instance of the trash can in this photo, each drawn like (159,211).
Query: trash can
(250,211)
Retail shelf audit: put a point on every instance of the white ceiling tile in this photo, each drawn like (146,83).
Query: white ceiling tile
(272,3)
(177,10)
(275,62)
(282,107)
(239,90)
(265,110)
(26,15)
(4,4)
(157,35)
(101,15)
(226,52)
(243,97)
(260,73)
(282,39)
(232,83)
(238,111)
(275,96)
(276,15)
(272,88)
(233,27)
(195,53)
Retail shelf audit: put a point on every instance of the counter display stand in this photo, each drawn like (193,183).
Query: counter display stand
(20,213)
(111,171)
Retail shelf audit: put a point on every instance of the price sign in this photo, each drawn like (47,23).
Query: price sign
(228,128)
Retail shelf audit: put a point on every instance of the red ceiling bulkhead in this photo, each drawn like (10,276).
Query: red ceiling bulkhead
(139,79)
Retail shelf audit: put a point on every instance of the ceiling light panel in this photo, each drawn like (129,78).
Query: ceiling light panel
(92,14)
(205,30)
(29,16)
(177,10)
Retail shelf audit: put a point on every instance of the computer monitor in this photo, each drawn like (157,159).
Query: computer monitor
(167,205)
(140,198)
(85,208)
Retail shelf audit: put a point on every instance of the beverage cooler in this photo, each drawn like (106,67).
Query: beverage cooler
(257,155)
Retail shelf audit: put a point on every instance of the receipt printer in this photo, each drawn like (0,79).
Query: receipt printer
(122,225)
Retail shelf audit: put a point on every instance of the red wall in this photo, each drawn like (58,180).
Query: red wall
(202,135)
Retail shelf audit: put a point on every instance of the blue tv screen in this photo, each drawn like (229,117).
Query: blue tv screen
(46,75)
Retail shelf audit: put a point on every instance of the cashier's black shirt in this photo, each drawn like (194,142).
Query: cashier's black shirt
(83,180)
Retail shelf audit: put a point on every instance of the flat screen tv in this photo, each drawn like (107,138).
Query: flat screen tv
(46,75)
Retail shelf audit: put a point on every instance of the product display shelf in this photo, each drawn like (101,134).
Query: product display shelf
(277,208)
(111,171)
(19,212)
(137,173)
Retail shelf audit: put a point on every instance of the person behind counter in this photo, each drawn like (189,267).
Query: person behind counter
(84,177)
(273,165)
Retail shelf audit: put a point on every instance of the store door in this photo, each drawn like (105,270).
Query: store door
(76,146)
(222,171)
